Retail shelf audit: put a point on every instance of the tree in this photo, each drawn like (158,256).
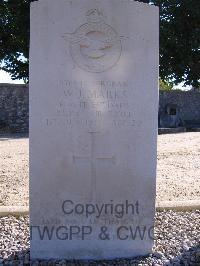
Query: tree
(165,86)
(14,37)
(179,39)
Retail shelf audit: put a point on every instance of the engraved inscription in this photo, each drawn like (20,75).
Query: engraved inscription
(94,105)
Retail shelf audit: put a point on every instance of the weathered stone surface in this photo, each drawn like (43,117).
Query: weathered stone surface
(14,108)
(93,128)
(188,108)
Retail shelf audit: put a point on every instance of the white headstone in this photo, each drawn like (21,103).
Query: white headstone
(93,128)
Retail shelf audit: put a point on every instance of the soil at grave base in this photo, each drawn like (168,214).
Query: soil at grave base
(177,173)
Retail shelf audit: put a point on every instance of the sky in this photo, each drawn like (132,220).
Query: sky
(5,78)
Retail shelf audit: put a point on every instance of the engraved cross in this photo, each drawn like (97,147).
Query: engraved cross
(93,159)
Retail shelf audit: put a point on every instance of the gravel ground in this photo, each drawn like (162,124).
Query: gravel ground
(178,172)
(13,171)
(177,178)
(177,242)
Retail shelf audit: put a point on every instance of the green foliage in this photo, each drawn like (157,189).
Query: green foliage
(164,85)
(14,37)
(179,39)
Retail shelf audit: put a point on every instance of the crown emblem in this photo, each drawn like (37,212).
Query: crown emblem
(94,15)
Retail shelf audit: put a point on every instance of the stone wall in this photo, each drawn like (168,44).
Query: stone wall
(14,108)
(187,105)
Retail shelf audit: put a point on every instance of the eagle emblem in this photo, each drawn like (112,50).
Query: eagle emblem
(94,46)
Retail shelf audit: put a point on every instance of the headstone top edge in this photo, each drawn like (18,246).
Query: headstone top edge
(34,3)
(140,3)
(130,1)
